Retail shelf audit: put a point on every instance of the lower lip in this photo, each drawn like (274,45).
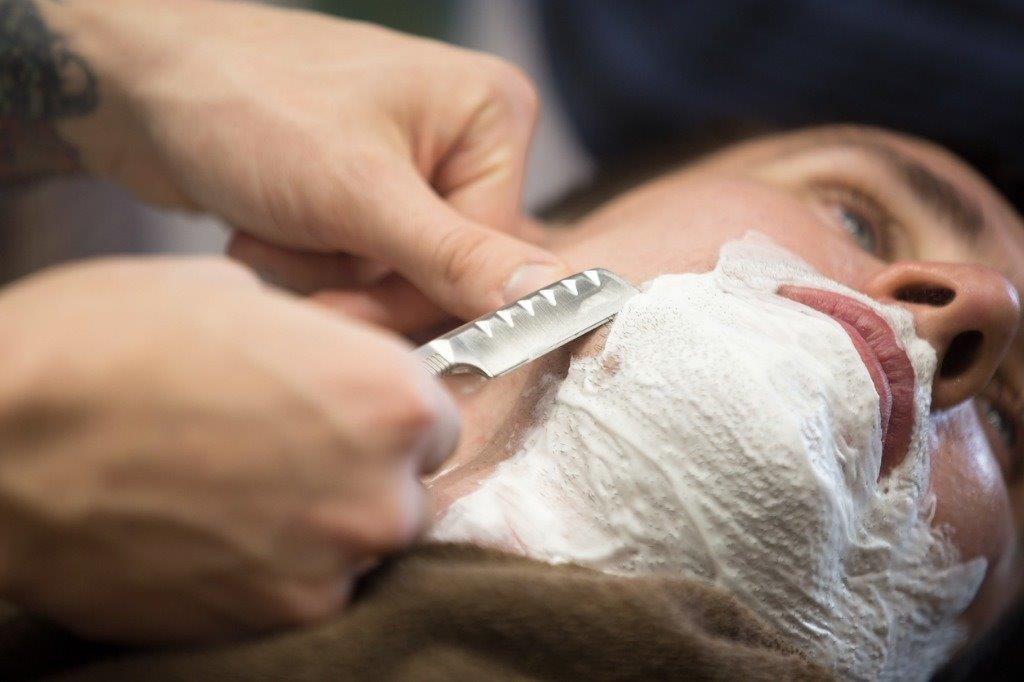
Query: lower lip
(886,362)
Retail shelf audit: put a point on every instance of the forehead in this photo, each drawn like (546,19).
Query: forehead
(935,174)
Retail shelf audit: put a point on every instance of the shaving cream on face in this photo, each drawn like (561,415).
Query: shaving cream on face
(729,434)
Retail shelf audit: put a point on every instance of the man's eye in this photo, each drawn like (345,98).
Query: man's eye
(859,228)
(855,213)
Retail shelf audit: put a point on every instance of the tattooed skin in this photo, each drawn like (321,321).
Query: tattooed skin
(40,81)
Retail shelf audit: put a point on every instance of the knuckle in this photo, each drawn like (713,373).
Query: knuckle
(461,254)
(395,402)
(515,86)
(408,416)
(377,527)
(300,604)
(396,526)
(413,413)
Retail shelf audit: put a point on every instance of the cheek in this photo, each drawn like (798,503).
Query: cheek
(968,485)
(972,503)
(679,224)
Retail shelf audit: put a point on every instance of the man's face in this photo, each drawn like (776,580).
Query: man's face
(903,223)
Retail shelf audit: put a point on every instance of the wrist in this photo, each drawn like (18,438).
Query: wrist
(122,41)
(119,47)
(93,32)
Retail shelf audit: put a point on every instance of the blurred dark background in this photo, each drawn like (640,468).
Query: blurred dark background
(433,18)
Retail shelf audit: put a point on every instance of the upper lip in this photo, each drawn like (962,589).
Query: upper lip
(886,362)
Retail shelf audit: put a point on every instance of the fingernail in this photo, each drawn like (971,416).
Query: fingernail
(528,278)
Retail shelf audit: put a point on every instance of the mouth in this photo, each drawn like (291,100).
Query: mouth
(887,364)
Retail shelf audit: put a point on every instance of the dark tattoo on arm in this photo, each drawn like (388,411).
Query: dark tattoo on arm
(41,81)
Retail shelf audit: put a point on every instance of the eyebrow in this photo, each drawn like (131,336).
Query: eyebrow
(940,195)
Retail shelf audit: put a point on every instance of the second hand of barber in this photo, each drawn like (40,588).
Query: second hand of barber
(380,171)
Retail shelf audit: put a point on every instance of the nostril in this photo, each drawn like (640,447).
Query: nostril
(924,294)
(961,354)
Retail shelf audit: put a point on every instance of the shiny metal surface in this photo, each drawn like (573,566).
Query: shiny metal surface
(529,328)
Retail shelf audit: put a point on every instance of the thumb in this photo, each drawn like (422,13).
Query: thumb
(464,267)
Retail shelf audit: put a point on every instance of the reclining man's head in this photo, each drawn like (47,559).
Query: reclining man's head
(818,410)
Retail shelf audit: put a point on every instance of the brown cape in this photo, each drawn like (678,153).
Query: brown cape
(450,612)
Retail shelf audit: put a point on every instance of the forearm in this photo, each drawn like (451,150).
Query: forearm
(42,81)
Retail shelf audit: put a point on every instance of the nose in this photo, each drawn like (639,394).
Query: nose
(968,313)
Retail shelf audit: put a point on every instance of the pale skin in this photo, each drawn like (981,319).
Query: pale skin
(187,453)
(802,190)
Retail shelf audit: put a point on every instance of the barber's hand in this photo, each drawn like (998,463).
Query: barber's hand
(186,454)
(347,156)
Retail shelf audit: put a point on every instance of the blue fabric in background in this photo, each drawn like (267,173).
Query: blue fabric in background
(639,74)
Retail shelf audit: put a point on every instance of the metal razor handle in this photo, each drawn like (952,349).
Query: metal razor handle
(536,324)
(433,361)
